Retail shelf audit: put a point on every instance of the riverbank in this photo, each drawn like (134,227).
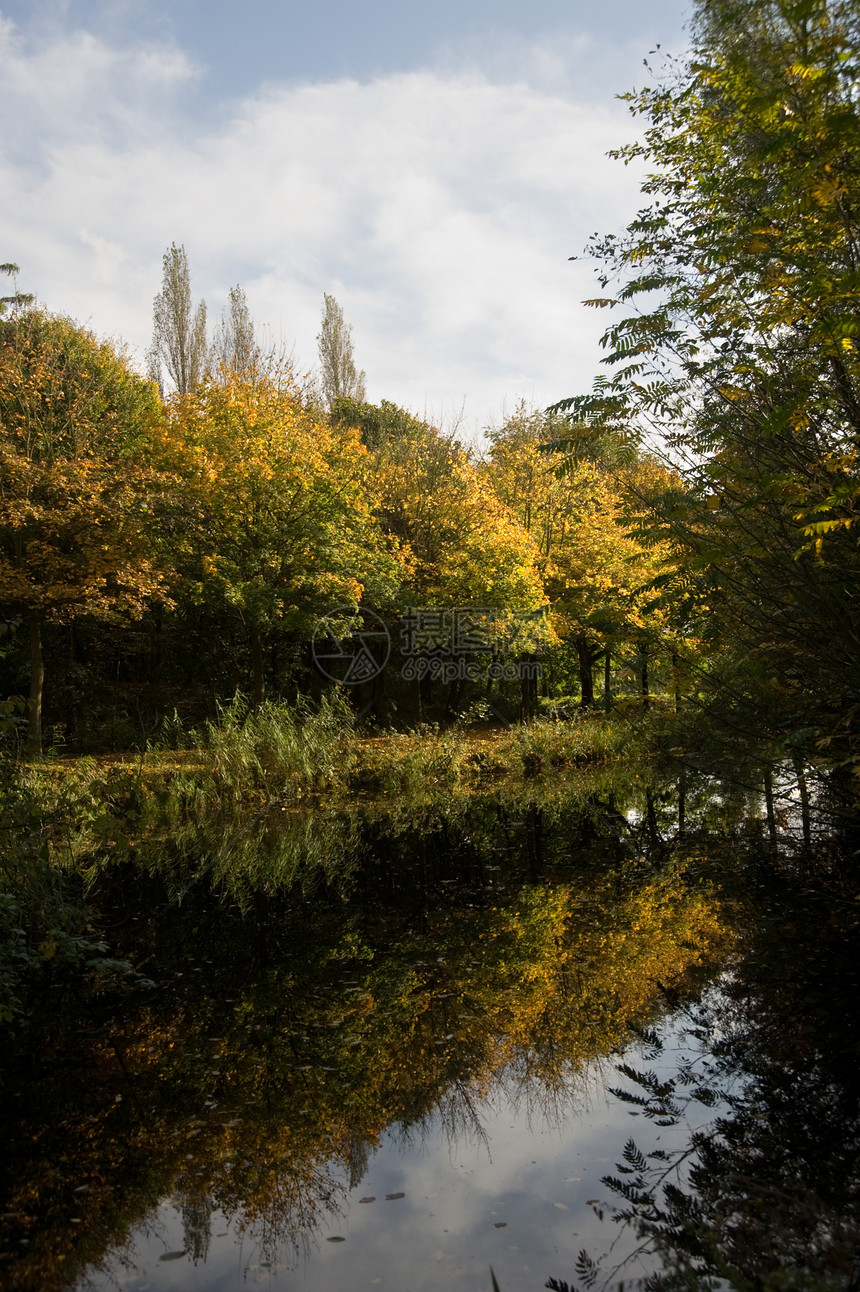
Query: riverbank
(278,752)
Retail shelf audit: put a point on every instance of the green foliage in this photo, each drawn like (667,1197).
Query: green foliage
(740,356)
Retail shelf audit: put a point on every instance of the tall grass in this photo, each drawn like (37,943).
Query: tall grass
(277,747)
(405,762)
(429,759)
(541,746)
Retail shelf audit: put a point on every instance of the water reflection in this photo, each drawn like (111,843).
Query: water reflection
(367,973)
(324,977)
(766,1193)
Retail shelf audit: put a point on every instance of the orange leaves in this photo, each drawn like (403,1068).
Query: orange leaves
(72,486)
(275,519)
(457,541)
(593,568)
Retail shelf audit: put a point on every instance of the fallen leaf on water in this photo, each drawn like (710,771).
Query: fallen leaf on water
(391,1197)
(592,1202)
(372,1198)
(561,1206)
(500,1224)
(172,1256)
(336,1239)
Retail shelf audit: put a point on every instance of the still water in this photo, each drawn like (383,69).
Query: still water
(436,1206)
(397,1045)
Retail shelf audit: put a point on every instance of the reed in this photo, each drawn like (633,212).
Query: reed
(276,747)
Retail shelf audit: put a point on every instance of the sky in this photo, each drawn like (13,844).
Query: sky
(433,166)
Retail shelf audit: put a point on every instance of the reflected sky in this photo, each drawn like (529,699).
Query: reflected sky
(513,1195)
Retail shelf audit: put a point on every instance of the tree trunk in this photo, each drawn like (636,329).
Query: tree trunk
(643,667)
(258,678)
(586,672)
(37,683)
(455,690)
(528,690)
(651,816)
(533,823)
(682,802)
(804,802)
(768,799)
(607,680)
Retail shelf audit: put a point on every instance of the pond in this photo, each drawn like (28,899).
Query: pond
(398,1044)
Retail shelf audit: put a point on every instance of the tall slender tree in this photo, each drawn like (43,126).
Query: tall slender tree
(179,343)
(235,346)
(340,377)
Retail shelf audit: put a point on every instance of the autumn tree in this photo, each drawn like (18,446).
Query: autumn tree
(460,547)
(179,341)
(741,355)
(273,519)
(596,573)
(340,377)
(75,489)
(460,543)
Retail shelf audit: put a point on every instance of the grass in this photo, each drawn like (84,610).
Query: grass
(463,756)
(286,754)
(277,747)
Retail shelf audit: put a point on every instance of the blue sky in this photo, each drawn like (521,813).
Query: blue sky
(432,165)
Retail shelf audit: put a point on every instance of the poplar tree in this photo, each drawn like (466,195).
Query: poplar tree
(16,299)
(235,346)
(340,377)
(179,343)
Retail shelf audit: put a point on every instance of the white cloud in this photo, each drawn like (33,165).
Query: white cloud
(439,206)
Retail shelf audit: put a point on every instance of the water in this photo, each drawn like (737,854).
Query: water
(434,1208)
(446,1024)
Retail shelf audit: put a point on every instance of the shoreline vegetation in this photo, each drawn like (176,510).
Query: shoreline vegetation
(281,750)
(268,804)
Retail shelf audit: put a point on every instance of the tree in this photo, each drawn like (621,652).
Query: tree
(179,341)
(594,571)
(459,543)
(16,299)
(272,515)
(75,423)
(234,344)
(460,547)
(742,356)
(340,377)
